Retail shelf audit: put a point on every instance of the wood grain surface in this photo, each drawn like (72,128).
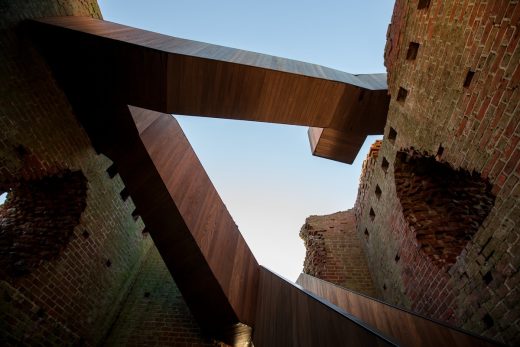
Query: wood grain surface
(103,67)
(405,327)
(336,145)
(179,76)
(289,316)
(190,225)
(205,218)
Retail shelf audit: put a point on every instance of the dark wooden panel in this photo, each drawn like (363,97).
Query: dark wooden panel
(185,217)
(198,49)
(180,76)
(407,328)
(335,145)
(288,316)
(205,218)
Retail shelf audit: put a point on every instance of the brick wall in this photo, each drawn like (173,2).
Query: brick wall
(444,207)
(38,220)
(155,313)
(453,74)
(334,252)
(76,285)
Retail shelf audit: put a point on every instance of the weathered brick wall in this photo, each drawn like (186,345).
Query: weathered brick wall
(334,252)
(75,286)
(453,74)
(444,207)
(38,220)
(155,313)
(23,323)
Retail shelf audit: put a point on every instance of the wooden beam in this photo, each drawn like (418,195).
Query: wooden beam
(204,223)
(335,145)
(174,75)
(200,244)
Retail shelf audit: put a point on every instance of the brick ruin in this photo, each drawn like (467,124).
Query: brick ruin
(444,207)
(76,265)
(38,220)
(334,252)
(438,208)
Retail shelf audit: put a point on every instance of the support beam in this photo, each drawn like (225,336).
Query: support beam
(334,144)
(173,75)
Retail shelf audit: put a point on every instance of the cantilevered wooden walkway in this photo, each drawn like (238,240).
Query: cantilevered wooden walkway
(179,76)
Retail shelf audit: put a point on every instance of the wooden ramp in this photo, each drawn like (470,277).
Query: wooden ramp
(289,316)
(173,75)
(406,328)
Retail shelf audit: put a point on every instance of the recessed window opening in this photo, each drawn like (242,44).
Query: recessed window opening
(488,278)
(125,194)
(423,4)
(413,48)
(385,165)
(112,171)
(392,135)
(469,78)
(488,321)
(372,214)
(378,192)
(402,94)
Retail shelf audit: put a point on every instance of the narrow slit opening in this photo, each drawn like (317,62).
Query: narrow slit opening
(378,192)
(385,165)
(392,135)
(402,94)
(469,78)
(413,49)
(423,4)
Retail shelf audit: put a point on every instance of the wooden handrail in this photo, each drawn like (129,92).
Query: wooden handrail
(287,316)
(407,328)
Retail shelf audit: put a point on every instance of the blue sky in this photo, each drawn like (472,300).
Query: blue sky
(265,173)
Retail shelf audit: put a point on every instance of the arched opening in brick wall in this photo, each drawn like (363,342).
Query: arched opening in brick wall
(443,206)
(38,218)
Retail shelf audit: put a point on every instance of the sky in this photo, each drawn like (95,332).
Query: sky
(265,173)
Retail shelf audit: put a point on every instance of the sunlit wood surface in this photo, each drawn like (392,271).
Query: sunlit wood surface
(288,316)
(204,221)
(173,75)
(334,144)
(405,327)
